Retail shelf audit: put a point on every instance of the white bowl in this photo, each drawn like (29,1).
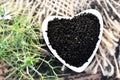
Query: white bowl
(85,65)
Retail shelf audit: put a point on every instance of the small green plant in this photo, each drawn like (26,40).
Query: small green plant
(21,49)
(29,61)
(2,11)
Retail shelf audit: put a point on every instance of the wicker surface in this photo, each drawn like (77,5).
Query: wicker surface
(105,60)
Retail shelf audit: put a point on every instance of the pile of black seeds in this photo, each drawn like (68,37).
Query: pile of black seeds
(75,39)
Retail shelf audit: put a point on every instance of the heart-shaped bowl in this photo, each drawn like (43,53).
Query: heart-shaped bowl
(45,36)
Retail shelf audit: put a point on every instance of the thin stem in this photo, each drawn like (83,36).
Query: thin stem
(37,72)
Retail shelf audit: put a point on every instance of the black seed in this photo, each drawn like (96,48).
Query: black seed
(75,39)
